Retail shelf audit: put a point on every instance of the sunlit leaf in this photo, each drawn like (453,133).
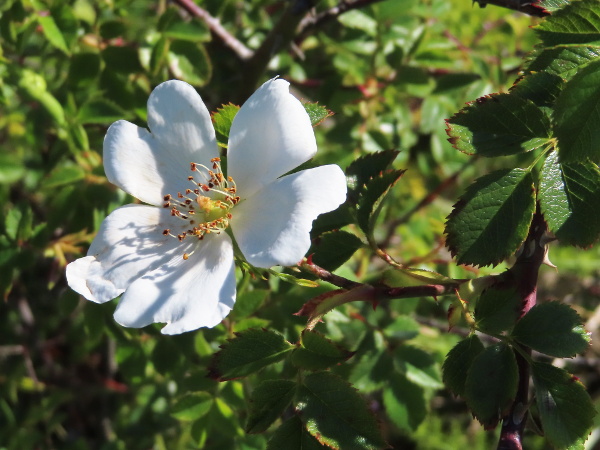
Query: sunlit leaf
(491,219)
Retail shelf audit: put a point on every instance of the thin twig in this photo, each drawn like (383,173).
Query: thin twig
(215,26)
(384,292)
(311,23)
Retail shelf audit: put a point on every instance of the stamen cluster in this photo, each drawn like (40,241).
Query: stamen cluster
(213,198)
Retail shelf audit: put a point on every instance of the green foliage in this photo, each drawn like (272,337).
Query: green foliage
(498,308)
(335,413)
(334,248)
(316,112)
(575,114)
(385,76)
(552,328)
(317,352)
(499,125)
(458,362)
(248,352)
(491,220)
(565,408)
(222,121)
(568,193)
(268,401)
(491,383)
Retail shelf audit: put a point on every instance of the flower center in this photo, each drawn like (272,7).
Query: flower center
(205,207)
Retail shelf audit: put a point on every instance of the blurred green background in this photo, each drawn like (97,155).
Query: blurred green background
(391,72)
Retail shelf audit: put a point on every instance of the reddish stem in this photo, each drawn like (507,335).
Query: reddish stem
(526,271)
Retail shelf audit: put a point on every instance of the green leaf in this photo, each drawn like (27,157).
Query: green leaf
(189,61)
(361,170)
(99,110)
(336,414)
(553,5)
(53,33)
(222,120)
(569,195)
(418,366)
(577,23)
(577,114)
(11,168)
(360,21)
(192,406)
(292,435)
(63,175)
(372,371)
(403,327)
(552,328)
(268,401)
(563,61)
(371,198)
(248,352)
(498,307)
(491,219)
(158,55)
(334,248)
(194,31)
(405,403)
(566,409)
(316,112)
(491,384)
(541,88)
(318,352)
(497,125)
(292,279)
(35,86)
(458,362)
(171,25)
(332,220)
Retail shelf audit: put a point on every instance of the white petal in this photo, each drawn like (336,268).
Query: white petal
(86,274)
(129,244)
(180,121)
(270,135)
(187,295)
(273,226)
(148,166)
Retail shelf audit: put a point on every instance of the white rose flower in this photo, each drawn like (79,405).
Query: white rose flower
(173,261)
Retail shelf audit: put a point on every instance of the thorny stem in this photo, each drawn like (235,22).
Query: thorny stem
(525,6)
(526,270)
